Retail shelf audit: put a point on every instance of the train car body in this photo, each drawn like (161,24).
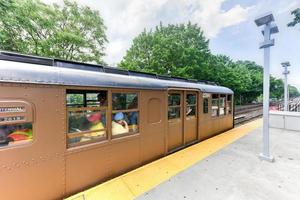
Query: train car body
(67,126)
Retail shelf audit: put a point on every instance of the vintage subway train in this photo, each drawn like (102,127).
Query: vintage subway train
(67,126)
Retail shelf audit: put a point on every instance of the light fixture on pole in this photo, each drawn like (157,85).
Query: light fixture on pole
(270,27)
(285,73)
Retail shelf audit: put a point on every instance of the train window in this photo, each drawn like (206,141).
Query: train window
(215,105)
(222,104)
(15,123)
(75,100)
(87,111)
(15,134)
(191,104)
(124,101)
(206,97)
(229,104)
(86,98)
(96,99)
(174,103)
(174,100)
(125,114)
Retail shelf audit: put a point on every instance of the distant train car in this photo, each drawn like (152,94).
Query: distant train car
(67,126)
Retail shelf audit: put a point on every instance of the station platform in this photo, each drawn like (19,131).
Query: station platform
(223,167)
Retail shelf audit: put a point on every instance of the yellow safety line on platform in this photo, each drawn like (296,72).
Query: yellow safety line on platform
(141,180)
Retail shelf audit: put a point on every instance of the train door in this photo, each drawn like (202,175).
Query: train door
(152,125)
(190,118)
(175,120)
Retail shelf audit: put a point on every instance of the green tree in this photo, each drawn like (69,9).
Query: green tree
(182,50)
(224,71)
(296,19)
(276,88)
(255,82)
(175,50)
(293,91)
(69,31)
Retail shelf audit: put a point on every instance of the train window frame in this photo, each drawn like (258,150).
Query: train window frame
(206,97)
(212,104)
(229,102)
(115,111)
(179,106)
(222,97)
(195,115)
(13,114)
(91,110)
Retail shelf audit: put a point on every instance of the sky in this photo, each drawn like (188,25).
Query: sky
(228,24)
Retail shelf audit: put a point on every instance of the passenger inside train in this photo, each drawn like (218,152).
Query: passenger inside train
(119,124)
(10,134)
(86,115)
(125,105)
(102,98)
(133,116)
(96,127)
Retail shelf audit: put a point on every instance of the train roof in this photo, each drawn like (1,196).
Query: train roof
(19,68)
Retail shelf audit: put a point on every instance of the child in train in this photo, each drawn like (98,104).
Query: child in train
(119,125)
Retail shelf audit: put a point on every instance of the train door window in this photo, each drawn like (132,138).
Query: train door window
(87,111)
(206,97)
(222,101)
(191,105)
(174,106)
(229,104)
(16,118)
(215,105)
(125,114)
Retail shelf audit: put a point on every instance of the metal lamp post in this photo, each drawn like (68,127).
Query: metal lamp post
(269,28)
(285,73)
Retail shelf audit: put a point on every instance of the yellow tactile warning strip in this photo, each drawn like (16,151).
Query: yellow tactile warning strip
(138,181)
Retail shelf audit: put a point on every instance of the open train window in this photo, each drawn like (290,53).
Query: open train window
(222,101)
(125,114)
(229,104)
(215,105)
(86,113)
(174,106)
(206,97)
(16,119)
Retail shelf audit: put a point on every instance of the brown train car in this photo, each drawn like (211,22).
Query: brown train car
(67,126)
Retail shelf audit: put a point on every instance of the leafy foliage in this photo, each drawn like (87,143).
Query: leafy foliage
(182,50)
(293,91)
(296,20)
(69,32)
(175,50)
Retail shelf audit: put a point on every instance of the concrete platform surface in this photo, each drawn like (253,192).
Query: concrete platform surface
(236,172)
(134,183)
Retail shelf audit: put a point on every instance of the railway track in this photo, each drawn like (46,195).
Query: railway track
(244,114)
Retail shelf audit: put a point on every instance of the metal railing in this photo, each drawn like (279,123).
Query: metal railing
(293,105)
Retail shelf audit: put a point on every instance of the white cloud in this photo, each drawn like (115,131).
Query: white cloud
(288,7)
(125,19)
(212,18)
(114,48)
